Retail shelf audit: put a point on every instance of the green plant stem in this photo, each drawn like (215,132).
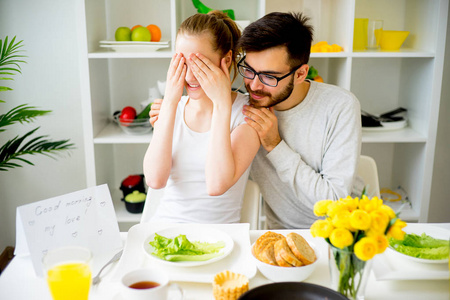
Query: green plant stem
(351,271)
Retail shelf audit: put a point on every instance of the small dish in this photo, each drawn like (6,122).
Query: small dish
(174,294)
(392,40)
(278,274)
(133,127)
(193,233)
(393,125)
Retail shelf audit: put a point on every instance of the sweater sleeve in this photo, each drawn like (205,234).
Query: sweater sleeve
(334,176)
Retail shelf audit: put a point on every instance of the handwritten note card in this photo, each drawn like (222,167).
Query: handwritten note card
(84,218)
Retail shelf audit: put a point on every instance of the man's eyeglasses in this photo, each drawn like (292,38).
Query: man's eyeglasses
(266,79)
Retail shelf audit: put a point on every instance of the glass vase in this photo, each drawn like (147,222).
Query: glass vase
(348,273)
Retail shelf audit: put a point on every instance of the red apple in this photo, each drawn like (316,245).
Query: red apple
(127,115)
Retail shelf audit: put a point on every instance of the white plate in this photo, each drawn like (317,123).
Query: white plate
(161,43)
(434,232)
(238,261)
(387,126)
(389,266)
(134,48)
(193,233)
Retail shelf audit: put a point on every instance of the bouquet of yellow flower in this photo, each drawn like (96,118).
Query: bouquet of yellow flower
(357,230)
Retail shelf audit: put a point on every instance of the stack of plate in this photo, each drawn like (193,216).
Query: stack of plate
(134,46)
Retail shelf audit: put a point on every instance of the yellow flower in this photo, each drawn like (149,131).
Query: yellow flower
(381,239)
(388,210)
(342,220)
(380,221)
(366,248)
(335,207)
(396,231)
(321,207)
(341,237)
(321,228)
(370,204)
(360,219)
(350,203)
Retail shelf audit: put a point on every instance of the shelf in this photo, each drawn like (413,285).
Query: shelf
(122,215)
(408,214)
(407,135)
(329,54)
(404,52)
(112,134)
(111,54)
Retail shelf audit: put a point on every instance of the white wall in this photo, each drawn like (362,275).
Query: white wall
(50,80)
(439,210)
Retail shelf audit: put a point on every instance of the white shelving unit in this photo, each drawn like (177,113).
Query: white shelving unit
(382,81)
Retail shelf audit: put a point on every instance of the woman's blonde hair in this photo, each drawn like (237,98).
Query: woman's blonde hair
(223,30)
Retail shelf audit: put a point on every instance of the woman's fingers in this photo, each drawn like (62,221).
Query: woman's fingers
(197,71)
(173,64)
(176,65)
(203,62)
(175,77)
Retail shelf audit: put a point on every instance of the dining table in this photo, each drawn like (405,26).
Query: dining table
(19,280)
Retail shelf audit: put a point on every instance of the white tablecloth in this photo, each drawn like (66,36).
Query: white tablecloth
(19,281)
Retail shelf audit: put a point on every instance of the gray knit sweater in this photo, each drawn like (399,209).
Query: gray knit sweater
(316,159)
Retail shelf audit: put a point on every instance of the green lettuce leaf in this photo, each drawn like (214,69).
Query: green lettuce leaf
(421,246)
(181,249)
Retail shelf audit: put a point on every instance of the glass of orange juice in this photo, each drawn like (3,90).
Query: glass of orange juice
(68,272)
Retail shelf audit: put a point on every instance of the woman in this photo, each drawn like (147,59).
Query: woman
(201,148)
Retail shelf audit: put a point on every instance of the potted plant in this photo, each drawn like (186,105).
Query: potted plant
(14,151)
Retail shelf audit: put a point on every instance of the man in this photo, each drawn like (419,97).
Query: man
(310,132)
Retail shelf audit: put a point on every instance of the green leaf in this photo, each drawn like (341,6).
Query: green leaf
(181,249)
(312,73)
(22,114)
(10,58)
(14,150)
(421,246)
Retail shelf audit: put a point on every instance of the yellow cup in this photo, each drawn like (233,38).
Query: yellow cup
(68,273)
(360,34)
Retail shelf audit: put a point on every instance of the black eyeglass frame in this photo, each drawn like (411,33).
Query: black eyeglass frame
(239,64)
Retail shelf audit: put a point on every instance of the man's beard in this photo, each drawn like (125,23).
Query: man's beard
(273,100)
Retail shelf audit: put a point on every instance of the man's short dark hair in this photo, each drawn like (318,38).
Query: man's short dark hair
(280,29)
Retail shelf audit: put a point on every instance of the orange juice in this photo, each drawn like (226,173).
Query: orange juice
(69,281)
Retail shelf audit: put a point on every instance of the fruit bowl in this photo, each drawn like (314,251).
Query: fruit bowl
(135,126)
(392,40)
(279,274)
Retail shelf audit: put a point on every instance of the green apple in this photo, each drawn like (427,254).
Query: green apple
(123,34)
(141,34)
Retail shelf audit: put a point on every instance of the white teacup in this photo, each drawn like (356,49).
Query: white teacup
(146,283)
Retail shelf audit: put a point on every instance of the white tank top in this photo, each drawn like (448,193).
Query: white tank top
(185,197)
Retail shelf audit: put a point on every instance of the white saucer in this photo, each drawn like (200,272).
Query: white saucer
(174,294)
